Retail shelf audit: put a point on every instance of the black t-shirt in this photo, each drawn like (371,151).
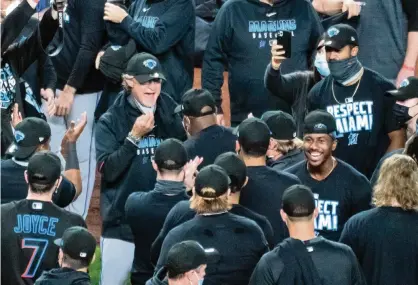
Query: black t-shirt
(209,143)
(344,193)
(240,242)
(385,241)
(15,188)
(28,231)
(263,195)
(336,264)
(363,121)
(145,213)
(181,213)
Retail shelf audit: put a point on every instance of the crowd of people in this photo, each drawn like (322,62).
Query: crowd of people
(314,180)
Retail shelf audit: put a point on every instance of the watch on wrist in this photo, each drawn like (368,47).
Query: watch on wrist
(133,138)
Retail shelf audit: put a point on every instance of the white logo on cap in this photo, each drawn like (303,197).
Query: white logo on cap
(320,126)
(83,254)
(41,139)
(150,63)
(404,83)
(115,48)
(19,136)
(353,39)
(155,75)
(332,32)
(328,42)
(294,134)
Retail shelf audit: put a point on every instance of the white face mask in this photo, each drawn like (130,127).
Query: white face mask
(321,64)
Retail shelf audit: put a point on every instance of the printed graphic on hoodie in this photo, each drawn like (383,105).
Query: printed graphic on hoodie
(267,31)
(147,147)
(327,219)
(7,86)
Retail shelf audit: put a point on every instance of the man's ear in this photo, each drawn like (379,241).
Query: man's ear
(237,146)
(334,145)
(26,177)
(315,213)
(272,144)
(284,216)
(154,165)
(354,51)
(130,82)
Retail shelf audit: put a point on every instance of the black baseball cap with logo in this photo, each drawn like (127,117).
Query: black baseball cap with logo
(234,167)
(408,89)
(320,122)
(44,168)
(339,36)
(211,182)
(281,124)
(170,155)
(188,255)
(194,100)
(298,201)
(253,134)
(29,135)
(78,243)
(144,67)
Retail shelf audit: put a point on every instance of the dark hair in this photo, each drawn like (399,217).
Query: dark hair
(75,264)
(255,151)
(41,188)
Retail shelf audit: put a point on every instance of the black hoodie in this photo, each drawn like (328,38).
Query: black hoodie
(63,276)
(166,29)
(241,39)
(125,167)
(159,278)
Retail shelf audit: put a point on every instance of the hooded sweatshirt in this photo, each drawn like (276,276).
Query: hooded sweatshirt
(156,29)
(63,276)
(159,278)
(126,167)
(241,39)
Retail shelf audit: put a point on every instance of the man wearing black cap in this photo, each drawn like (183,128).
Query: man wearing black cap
(406,113)
(31,136)
(181,212)
(285,148)
(206,138)
(354,95)
(77,247)
(304,258)
(186,264)
(146,211)
(340,191)
(30,226)
(240,241)
(265,186)
(126,138)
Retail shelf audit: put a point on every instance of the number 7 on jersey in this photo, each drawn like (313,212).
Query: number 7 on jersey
(39,247)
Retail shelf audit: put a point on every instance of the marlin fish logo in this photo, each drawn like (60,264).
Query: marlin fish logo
(19,136)
(150,63)
(333,32)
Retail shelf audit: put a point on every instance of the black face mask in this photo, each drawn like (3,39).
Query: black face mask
(401,114)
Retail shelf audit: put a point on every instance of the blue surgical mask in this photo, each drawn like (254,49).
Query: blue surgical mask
(200,280)
(321,65)
(346,70)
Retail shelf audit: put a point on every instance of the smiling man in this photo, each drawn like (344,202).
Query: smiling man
(127,136)
(340,191)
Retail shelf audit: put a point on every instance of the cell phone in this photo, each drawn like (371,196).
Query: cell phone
(284,38)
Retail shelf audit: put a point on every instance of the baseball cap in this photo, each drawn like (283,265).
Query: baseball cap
(298,201)
(253,134)
(194,100)
(320,122)
(78,243)
(211,182)
(29,134)
(44,168)
(234,167)
(144,67)
(188,255)
(340,35)
(408,89)
(115,59)
(281,124)
(170,155)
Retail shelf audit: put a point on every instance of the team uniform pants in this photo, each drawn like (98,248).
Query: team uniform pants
(86,149)
(117,259)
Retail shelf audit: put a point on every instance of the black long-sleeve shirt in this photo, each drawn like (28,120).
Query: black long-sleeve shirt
(84,33)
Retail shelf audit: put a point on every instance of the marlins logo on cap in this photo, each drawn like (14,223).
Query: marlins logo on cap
(19,136)
(150,63)
(404,83)
(320,126)
(333,32)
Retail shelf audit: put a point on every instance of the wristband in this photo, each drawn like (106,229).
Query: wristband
(408,67)
(71,161)
(135,140)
